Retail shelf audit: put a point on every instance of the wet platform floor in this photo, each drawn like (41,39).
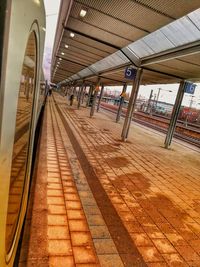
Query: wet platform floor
(102,202)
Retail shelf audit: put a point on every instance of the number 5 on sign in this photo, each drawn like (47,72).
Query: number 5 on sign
(130,73)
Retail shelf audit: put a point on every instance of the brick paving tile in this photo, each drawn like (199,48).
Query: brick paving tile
(104,246)
(176,239)
(175,260)
(54,186)
(134,227)
(84,255)
(163,246)
(81,238)
(69,190)
(188,235)
(194,263)
(71,197)
(66,261)
(141,239)
(157,264)
(58,232)
(91,210)
(75,214)
(54,192)
(53,180)
(95,219)
(195,244)
(78,225)
(87,265)
(112,260)
(60,247)
(150,254)
(55,200)
(73,205)
(57,219)
(166,228)
(187,253)
(56,209)
(99,231)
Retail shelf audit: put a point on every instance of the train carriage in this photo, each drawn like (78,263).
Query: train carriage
(21,98)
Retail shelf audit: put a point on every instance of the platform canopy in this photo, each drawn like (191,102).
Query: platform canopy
(162,37)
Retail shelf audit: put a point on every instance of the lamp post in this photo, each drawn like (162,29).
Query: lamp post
(158,94)
(189,112)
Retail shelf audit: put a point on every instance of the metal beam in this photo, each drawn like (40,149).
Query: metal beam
(109,79)
(131,57)
(164,73)
(184,50)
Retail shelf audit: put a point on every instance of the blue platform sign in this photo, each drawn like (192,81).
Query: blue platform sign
(190,88)
(130,73)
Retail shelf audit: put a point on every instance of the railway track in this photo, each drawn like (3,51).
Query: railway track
(193,140)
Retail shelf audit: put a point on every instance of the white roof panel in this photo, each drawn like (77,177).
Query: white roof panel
(181,32)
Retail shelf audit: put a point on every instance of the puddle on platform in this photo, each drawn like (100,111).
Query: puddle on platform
(117,162)
(106,148)
(141,182)
(161,208)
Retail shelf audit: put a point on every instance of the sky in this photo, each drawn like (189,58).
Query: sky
(52,9)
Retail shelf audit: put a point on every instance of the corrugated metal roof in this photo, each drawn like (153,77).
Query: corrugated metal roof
(111,25)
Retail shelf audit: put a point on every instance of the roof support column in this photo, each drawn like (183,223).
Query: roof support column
(89,95)
(100,97)
(80,95)
(175,113)
(132,100)
(74,90)
(94,97)
(77,93)
(121,102)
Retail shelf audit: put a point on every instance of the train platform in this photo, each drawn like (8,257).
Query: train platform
(99,201)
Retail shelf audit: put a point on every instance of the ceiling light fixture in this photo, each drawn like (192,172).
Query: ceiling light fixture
(37,2)
(83,12)
(72,34)
(62,53)
(66,46)
(60,58)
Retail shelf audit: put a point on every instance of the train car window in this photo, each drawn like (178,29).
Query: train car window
(20,158)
